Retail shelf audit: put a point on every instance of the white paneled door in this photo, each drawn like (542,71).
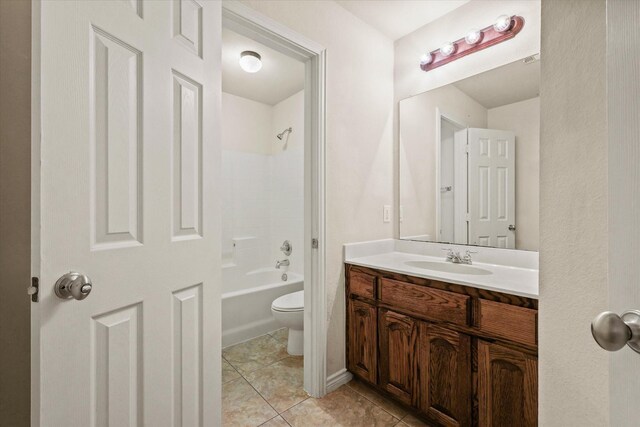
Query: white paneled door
(492,205)
(130,106)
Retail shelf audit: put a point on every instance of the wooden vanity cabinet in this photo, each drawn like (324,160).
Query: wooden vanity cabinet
(362,340)
(507,386)
(445,375)
(457,355)
(398,339)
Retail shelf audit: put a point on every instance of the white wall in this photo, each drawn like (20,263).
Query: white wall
(263,184)
(359,95)
(573,372)
(523,118)
(409,79)
(417,165)
(287,180)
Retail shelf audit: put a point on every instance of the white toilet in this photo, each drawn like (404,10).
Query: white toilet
(288,311)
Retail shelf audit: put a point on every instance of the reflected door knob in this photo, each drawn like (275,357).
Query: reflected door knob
(73,285)
(612,332)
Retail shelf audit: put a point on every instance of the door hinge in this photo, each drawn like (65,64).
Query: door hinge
(466,148)
(314,243)
(34,289)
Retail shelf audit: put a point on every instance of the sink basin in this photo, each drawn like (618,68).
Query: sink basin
(448,267)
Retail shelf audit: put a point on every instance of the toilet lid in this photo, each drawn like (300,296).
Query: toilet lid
(289,302)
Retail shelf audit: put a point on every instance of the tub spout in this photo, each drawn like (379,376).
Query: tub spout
(283,263)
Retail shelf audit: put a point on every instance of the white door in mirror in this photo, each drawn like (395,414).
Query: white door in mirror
(492,205)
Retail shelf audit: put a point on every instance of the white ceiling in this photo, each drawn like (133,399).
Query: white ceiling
(279,78)
(504,85)
(397,18)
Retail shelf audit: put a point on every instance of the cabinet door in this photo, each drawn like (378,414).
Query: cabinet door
(507,387)
(445,375)
(398,346)
(362,351)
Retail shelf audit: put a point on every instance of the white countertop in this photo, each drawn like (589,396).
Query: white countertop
(514,280)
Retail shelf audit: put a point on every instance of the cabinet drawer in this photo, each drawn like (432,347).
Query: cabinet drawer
(508,321)
(362,284)
(431,303)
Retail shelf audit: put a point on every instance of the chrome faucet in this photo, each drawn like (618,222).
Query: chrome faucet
(456,258)
(284,263)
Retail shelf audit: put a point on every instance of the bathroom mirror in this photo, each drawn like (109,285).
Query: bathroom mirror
(469,160)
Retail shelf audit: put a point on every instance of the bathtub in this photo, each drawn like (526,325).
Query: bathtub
(246,302)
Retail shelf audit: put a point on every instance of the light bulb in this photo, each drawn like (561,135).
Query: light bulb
(503,23)
(426,59)
(473,36)
(250,61)
(448,49)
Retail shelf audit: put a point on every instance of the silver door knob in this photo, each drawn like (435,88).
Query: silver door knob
(73,285)
(512,227)
(612,332)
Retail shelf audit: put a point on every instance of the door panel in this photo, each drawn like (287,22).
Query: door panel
(623,113)
(128,197)
(507,386)
(445,375)
(363,343)
(398,335)
(492,204)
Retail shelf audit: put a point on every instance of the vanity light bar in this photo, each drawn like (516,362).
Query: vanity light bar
(503,29)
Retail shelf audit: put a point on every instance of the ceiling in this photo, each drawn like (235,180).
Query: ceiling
(397,18)
(279,78)
(504,85)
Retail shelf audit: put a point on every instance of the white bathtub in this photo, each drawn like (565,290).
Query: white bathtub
(246,302)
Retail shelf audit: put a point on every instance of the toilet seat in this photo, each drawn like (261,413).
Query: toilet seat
(289,303)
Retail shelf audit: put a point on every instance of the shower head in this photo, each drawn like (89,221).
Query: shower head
(284,132)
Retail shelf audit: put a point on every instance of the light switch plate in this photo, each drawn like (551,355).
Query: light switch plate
(386,213)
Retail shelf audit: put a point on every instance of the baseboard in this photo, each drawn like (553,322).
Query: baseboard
(338,379)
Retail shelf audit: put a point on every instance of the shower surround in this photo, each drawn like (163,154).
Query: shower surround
(262,206)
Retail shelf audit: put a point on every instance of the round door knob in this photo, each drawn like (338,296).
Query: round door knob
(73,285)
(612,332)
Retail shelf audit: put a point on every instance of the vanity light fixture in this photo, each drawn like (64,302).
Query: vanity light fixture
(250,61)
(504,28)
(474,36)
(448,49)
(503,22)
(426,59)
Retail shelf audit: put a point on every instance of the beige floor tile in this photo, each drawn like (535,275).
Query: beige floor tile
(276,422)
(377,398)
(281,335)
(413,421)
(281,384)
(242,406)
(344,407)
(254,354)
(228,373)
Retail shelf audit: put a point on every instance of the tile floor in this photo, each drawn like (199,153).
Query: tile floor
(262,386)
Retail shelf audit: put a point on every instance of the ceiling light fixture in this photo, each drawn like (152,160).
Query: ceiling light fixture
(504,28)
(250,61)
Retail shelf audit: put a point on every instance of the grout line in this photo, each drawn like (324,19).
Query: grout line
(260,394)
(232,367)
(377,405)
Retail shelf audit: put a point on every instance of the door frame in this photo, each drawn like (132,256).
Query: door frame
(269,32)
(442,115)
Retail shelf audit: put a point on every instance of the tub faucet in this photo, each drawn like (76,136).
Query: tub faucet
(284,263)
